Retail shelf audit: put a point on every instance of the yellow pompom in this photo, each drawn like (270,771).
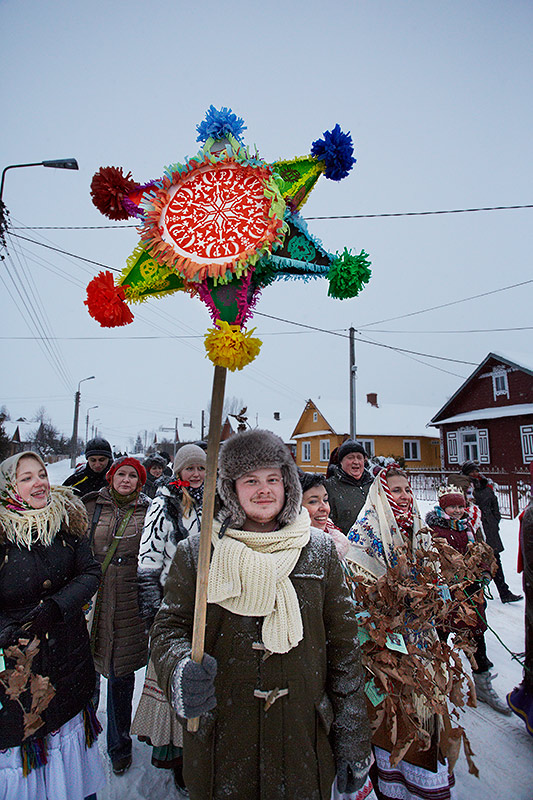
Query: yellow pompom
(229,346)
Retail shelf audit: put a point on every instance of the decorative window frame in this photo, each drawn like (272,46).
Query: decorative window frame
(324,449)
(315,416)
(306,451)
(408,447)
(526,439)
(499,375)
(482,443)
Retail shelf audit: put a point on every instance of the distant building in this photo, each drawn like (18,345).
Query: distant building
(489,419)
(385,430)
(20,433)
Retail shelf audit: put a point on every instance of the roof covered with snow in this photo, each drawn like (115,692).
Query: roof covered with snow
(490,413)
(388,419)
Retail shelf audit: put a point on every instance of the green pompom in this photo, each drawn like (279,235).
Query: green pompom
(348,273)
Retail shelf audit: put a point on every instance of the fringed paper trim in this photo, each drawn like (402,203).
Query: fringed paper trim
(302,269)
(299,222)
(156,200)
(105,301)
(348,274)
(298,190)
(156,285)
(228,346)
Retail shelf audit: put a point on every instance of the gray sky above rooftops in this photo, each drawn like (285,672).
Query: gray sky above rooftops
(437,97)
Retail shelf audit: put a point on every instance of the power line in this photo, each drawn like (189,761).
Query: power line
(422,213)
(340,216)
(473,330)
(446,305)
(65,252)
(366,341)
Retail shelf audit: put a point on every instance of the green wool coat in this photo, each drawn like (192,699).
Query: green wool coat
(242,749)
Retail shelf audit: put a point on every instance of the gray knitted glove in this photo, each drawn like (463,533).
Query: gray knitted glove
(193,687)
(352,777)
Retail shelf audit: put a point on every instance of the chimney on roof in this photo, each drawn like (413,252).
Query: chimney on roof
(277,416)
(372,398)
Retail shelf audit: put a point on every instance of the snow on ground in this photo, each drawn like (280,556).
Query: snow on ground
(503,750)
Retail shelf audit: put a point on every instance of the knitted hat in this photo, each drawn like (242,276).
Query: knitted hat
(126,461)
(188,455)
(98,447)
(246,452)
(155,460)
(450,496)
(468,467)
(350,446)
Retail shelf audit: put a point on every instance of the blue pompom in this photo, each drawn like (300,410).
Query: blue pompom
(336,149)
(219,124)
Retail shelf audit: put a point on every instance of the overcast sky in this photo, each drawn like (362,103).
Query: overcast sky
(437,97)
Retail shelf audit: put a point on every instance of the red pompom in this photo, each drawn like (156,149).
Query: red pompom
(108,188)
(105,302)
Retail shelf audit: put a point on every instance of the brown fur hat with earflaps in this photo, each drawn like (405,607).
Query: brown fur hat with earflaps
(246,452)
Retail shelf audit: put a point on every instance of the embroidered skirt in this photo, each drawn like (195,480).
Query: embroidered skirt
(407,782)
(72,771)
(155,719)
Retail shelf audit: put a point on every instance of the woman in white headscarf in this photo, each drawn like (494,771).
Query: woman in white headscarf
(47,575)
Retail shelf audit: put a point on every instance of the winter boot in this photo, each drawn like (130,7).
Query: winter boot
(486,694)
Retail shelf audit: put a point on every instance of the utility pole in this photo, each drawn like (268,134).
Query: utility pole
(203,425)
(353,378)
(175,435)
(74,439)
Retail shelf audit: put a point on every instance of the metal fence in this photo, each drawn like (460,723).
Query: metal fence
(512,489)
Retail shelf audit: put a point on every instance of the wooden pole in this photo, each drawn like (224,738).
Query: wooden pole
(213,442)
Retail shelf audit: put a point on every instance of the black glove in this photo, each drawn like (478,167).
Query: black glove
(42,617)
(352,776)
(194,689)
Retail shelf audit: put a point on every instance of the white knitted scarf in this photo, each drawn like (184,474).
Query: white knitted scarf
(249,576)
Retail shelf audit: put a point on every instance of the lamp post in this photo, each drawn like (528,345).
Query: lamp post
(175,429)
(74,440)
(58,163)
(87,423)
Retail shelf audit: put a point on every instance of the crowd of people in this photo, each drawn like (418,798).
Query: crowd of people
(98,577)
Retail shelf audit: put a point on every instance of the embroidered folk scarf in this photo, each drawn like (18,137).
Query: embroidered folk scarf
(22,524)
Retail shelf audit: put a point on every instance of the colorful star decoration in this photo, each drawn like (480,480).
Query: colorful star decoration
(222,226)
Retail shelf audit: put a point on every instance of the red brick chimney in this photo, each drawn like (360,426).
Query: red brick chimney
(372,398)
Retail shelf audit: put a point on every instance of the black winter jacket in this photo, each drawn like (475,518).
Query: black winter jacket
(85,480)
(66,572)
(347,497)
(487,501)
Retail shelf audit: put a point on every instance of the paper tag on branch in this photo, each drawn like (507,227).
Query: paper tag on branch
(395,641)
(375,695)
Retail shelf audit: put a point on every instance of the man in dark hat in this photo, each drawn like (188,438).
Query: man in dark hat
(91,477)
(486,499)
(349,484)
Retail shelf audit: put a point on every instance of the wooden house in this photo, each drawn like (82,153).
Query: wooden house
(385,430)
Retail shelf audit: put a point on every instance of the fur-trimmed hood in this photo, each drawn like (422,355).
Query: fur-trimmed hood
(246,452)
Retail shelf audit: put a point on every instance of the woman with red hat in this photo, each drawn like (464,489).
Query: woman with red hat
(120,644)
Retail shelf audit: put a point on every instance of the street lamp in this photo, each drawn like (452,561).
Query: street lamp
(74,440)
(58,163)
(87,423)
